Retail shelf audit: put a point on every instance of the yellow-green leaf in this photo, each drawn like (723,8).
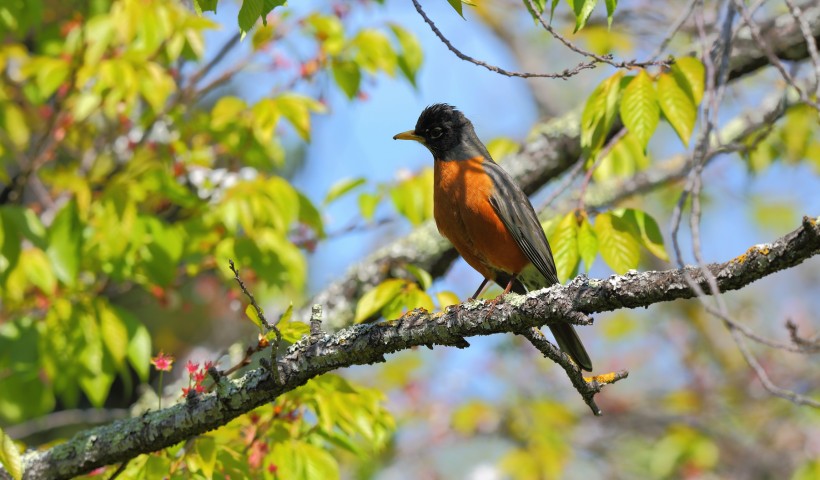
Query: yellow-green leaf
(618,246)
(690,74)
(500,147)
(646,230)
(343,187)
(251,312)
(367,205)
(373,301)
(564,242)
(411,55)
(587,243)
(639,108)
(347,76)
(447,298)
(677,106)
(599,112)
(10,456)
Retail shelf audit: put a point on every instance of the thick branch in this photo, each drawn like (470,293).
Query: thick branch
(368,343)
(549,154)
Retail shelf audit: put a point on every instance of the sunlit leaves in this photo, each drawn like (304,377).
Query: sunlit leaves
(342,187)
(639,108)
(581,10)
(624,159)
(65,241)
(618,247)
(682,445)
(410,55)
(587,243)
(376,299)
(564,242)
(347,75)
(413,197)
(677,106)
(600,112)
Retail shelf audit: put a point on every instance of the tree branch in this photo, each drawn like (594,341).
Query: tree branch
(369,343)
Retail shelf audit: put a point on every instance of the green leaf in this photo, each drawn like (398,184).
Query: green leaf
(205,6)
(226,111)
(139,344)
(291,332)
(113,331)
(268,7)
(65,242)
(375,52)
(296,109)
(646,230)
(347,76)
(677,106)
(299,460)
(624,159)
(343,187)
(251,313)
(552,8)
(583,9)
(610,11)
(639,108)
(456,4)
(424,278)
(446,299)
(599,113)
(564,242)
(310,216)
(501,147)
(38,270)
(13,124)
(375,299)
(249,13)
(587,243)
(157,466)
(205,448)
(618,246)
(367,205)
(286,315)
(10,456)
(690,75)
(414,298)
(411,55)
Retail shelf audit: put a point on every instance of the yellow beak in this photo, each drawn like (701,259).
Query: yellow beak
(408,135)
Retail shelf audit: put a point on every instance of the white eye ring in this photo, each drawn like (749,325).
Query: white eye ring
(436,132)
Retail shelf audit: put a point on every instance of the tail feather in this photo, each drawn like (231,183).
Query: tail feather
(569,342)
(565,334)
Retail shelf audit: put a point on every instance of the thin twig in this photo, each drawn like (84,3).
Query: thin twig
(598,58)
(564,75)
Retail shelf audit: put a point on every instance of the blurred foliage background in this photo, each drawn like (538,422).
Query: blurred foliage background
(143,143)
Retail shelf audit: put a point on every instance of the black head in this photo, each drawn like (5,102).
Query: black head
(443,129)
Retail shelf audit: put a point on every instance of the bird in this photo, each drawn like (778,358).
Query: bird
(483,212)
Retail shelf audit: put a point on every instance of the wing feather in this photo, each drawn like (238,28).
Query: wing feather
(518,216)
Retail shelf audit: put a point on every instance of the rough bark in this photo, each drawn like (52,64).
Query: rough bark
(369,343)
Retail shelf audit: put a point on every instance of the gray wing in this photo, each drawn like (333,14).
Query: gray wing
(516,212)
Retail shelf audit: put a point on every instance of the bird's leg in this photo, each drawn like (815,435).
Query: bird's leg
(480,288)
(498,298)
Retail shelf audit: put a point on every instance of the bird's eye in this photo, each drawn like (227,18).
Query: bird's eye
(436,132)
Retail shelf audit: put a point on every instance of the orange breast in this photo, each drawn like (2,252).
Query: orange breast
(465,216)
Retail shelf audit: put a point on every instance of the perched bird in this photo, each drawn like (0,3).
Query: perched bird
(486,215)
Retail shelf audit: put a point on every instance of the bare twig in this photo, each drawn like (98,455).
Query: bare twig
(588,387)
(564,75)
(598,58)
